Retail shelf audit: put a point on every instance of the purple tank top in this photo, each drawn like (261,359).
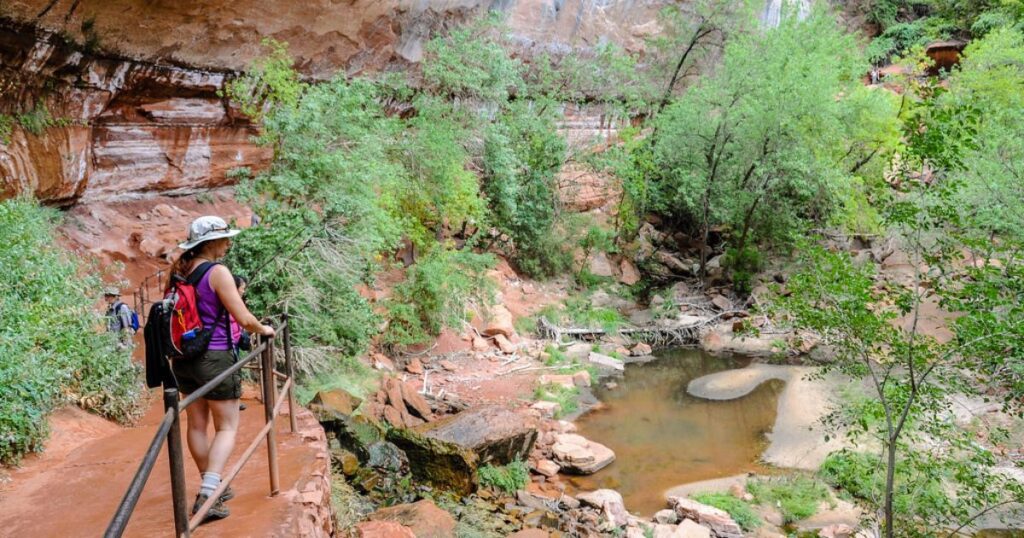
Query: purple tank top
(210,309)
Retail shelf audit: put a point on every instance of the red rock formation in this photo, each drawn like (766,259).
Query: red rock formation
(116,126)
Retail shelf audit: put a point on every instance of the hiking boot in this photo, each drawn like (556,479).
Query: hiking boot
(217,511)
(227,495)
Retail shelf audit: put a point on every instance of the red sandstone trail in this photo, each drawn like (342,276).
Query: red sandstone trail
(73,488)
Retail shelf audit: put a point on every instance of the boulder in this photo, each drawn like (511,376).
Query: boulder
(424,518)
(382,529)
(415,402)
(446,453)
(500,322)
(504,344)
(674,264)
(581,379)
(382,362)
(628,273)
(579,455)
(716,519)
(578,350)
(598,264)
(447,365)
(641,350)
(547,468)
(609,502)
(414,367)
(333,404)
(480,344)
(667,516)
(690,529)
(605,361)
(547,409)
(721,303)
(387,457)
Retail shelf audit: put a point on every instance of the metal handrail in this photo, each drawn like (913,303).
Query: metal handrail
(169,430)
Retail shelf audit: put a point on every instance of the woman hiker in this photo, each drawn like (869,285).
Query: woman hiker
(209,239)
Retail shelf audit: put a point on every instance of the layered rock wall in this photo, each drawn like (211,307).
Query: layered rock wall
(108,126)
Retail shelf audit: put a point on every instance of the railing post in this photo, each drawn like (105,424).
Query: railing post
(268,412)
(177,461)
(290,370)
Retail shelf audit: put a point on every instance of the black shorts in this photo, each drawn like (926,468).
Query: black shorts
(192,375)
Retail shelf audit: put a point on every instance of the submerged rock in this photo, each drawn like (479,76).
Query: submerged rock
(577,454)
(605,361)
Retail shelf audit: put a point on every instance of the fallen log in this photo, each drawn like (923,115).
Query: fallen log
(653,335)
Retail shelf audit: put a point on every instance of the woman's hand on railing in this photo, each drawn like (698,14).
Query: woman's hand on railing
(267,331)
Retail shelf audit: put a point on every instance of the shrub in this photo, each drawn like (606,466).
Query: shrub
(565,397)
(740,511)
(52,348)
(439,291)
(508,478)
(796,496)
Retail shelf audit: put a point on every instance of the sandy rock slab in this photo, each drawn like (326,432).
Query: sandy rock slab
(579,455)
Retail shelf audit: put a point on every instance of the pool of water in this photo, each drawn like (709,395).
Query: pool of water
(663,437)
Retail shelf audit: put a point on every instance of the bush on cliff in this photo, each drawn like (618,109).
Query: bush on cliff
(52,343)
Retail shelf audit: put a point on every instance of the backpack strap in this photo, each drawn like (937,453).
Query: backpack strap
(197,274)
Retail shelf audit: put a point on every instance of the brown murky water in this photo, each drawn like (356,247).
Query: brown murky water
(663,437)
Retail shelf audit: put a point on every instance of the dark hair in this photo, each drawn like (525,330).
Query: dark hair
(239,280)
(180,266)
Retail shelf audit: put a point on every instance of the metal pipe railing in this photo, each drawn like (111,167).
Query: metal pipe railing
(170,431)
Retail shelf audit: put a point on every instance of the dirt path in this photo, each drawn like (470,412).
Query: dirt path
(73,488)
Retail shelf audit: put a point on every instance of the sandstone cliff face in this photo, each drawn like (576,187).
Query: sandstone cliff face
(143,116)
(115,126)
(325,35)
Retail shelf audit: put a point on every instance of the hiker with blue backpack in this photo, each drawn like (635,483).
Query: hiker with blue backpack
(121,320)
(192,328)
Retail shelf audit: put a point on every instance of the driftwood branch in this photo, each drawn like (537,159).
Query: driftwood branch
(658,336)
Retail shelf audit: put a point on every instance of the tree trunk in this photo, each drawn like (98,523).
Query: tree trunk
(890,480)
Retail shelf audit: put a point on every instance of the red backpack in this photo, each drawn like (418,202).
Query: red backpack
(178,331)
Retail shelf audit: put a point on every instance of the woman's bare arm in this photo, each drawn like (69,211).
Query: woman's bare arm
(224,284)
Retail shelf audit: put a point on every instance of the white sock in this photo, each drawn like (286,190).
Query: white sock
(210,483)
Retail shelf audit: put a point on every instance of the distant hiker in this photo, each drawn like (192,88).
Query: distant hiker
(218,302)
(875,75)
(121,320)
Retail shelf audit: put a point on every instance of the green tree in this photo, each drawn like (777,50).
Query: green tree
(766,142)
(874,328)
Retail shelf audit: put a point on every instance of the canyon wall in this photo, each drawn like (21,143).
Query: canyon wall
(121,97)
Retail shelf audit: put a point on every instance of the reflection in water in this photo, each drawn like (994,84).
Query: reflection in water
(663,437)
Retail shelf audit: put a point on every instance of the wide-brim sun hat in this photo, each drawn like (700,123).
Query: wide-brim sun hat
(207,228)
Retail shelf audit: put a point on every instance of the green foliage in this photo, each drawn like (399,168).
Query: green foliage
(6,128)
(50,335)
(269,84)
(797,496)
(507,478)
(741,512)
(439,291)
(566,397)
(863,476)
(763,146)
